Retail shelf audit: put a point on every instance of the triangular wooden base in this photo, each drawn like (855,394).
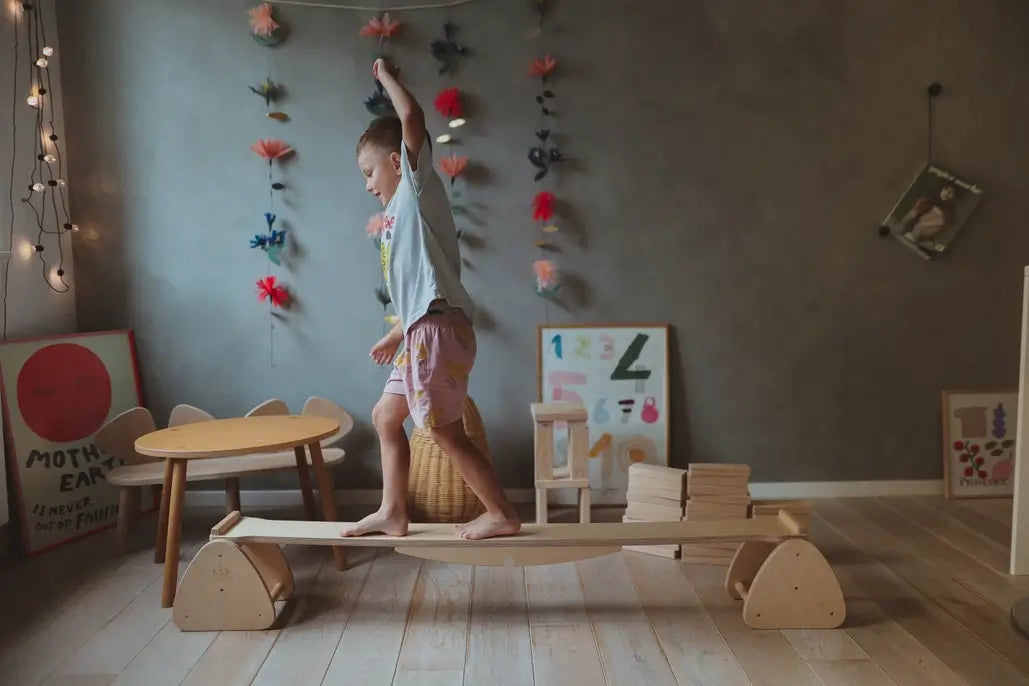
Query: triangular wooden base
(790,586)
(223,588)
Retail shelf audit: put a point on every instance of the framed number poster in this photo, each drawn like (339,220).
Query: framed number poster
(979,429)
(619,373)
(57,393)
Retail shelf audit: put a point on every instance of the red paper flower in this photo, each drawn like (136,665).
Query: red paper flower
(542,66)
(380,27)
(271,148)
(453,166)
(543,206)
(448,103)
(267,288)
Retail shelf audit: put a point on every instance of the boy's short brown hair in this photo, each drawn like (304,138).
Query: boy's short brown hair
(385,132)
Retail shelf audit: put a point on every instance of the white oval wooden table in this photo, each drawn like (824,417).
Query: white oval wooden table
(222,437)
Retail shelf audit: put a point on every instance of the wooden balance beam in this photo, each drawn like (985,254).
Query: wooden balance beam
(237,577)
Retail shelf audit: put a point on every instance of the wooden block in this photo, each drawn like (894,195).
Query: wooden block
(655,471)
(633,496)
(647,512)
(557,412)
(562,483)
(694,512)
(724,499)
(704,488)
(717,468)
(795,588)
(543,447)
(578,449)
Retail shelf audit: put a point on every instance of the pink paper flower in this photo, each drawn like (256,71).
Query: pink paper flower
(380,28)
(453,166)
(546,275)
(261,20)
(542,66)
(271,148)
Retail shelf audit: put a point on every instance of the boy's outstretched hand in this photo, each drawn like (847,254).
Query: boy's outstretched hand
(385,350)
(381,67)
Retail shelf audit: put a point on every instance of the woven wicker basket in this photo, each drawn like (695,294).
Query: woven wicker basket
(435,491)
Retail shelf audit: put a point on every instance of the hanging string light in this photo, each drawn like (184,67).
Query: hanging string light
(46,186)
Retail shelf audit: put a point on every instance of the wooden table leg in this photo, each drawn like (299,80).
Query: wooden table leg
(171,555)
(232,495)
(305,481)
(328,499)
(162,515)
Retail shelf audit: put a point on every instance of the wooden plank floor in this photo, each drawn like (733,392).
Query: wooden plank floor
(925,581)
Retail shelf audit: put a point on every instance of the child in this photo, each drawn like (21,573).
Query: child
(422,267)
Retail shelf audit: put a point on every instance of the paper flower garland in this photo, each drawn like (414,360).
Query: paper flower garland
(269,289)
(453,166)
(264,27)
(448,50)
(546,153)
(378,103)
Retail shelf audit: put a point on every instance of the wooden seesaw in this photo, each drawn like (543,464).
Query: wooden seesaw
(237,577)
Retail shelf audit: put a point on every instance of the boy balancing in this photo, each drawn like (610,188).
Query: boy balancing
(422,267)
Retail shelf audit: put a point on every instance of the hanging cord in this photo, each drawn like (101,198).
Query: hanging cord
(932,91)
(14,156)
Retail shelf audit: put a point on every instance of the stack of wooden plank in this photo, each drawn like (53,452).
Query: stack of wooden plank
(800,509)
(655,494)
(715,491)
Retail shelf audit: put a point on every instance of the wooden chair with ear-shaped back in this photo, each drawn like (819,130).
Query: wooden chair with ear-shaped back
(270,407)
(117,438)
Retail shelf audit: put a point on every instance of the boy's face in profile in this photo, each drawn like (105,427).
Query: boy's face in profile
(381,171)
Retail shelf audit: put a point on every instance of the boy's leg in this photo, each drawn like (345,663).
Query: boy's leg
(443,355)
(500,518)
(388,418)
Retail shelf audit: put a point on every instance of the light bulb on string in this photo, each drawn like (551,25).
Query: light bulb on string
(25,250)
(62,183)
(38,187)
(33,100)
(42,63)
(48,51)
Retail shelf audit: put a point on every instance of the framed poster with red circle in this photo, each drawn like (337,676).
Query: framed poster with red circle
(57,393)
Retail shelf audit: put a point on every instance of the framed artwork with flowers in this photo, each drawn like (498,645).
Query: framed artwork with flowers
(979,432)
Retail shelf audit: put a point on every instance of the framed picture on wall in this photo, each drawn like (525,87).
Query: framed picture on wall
(933,210)
(979,429)
(619,373)
(57,393)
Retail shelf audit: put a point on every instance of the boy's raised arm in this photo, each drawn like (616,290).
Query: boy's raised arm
(408,110)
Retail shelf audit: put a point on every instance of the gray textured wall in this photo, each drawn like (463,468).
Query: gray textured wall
(731,162)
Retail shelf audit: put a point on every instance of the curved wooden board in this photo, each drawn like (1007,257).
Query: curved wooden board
(508,557)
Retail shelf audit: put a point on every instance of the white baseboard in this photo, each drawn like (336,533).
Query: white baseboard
(773,490)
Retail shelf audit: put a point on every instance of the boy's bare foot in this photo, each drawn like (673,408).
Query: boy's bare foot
(487,525)
(378,522)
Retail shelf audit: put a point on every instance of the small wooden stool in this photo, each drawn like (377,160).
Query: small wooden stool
(576,473)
